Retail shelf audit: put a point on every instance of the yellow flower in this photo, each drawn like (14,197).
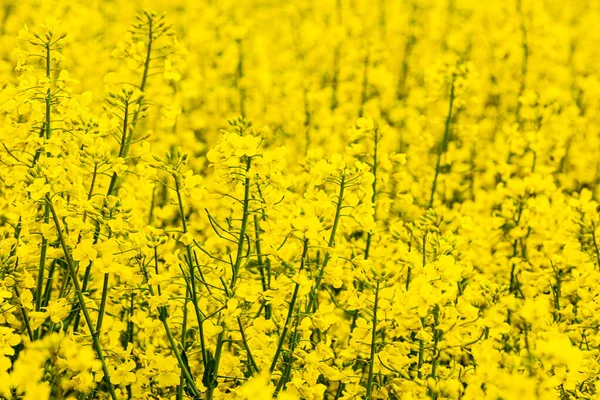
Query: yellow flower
(39,188)
(123,373)
(85,252)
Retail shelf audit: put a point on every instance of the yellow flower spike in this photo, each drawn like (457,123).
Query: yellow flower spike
(447,188)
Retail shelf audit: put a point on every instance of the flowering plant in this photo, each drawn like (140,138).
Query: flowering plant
(334,200)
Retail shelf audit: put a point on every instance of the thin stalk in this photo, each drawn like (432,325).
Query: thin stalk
(162,316)
(240,76)
(525,60)
(102,303)
(409,269)
(261,265)
(48,289)
(25,316)
(104,297)
(48,99)
(247,347)
(307,119)
(444,143)
(182,365)
(190,262)
(109,192)
(374,186)
(122,148)
(216,361)
(556,292)
(236,267)
(411,40)
(338,210)
(420,360)
(44,247)
(148,56)
(513,285)
(13,251)
(183,325)
(596,249)
(244,225)
(152,204)
(373,339)
(86,276)
(335,81)
(38,152)
(130,321)
(436,339)
(285,376)
(81,299)
(290,312)
(365,86)
(424,248)
(339,390)
(125,142)
(369,235)
(42,267)
(421,343)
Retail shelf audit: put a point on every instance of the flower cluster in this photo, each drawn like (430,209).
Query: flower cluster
(378,200)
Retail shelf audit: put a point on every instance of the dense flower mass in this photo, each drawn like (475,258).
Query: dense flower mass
(333,199)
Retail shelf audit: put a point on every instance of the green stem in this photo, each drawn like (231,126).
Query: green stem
(444,143)
(355,314)
(424,248)
(373,339)
(216,360)
(242,234)
(48,93)
(285,376)
(411,40)
(335,81)
(307,119)
(338,211)
(436,339)
(42,266)
(190,262)
(130,320)
(148,56)
(25,316)
(13,251)
(365,86)
(557,293)
(290,311)
(525,61)
(162,316)
(261,265)
(236,267)
(88,270)
(38,152)
(152,204)
(48,289)
(122,148)
(125,141)
(81,299)
(420,360)
(44,247)
(110,191)
(374,186)
(596,249)
(182,365)
(102,303)
(247,347)
(240,76)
